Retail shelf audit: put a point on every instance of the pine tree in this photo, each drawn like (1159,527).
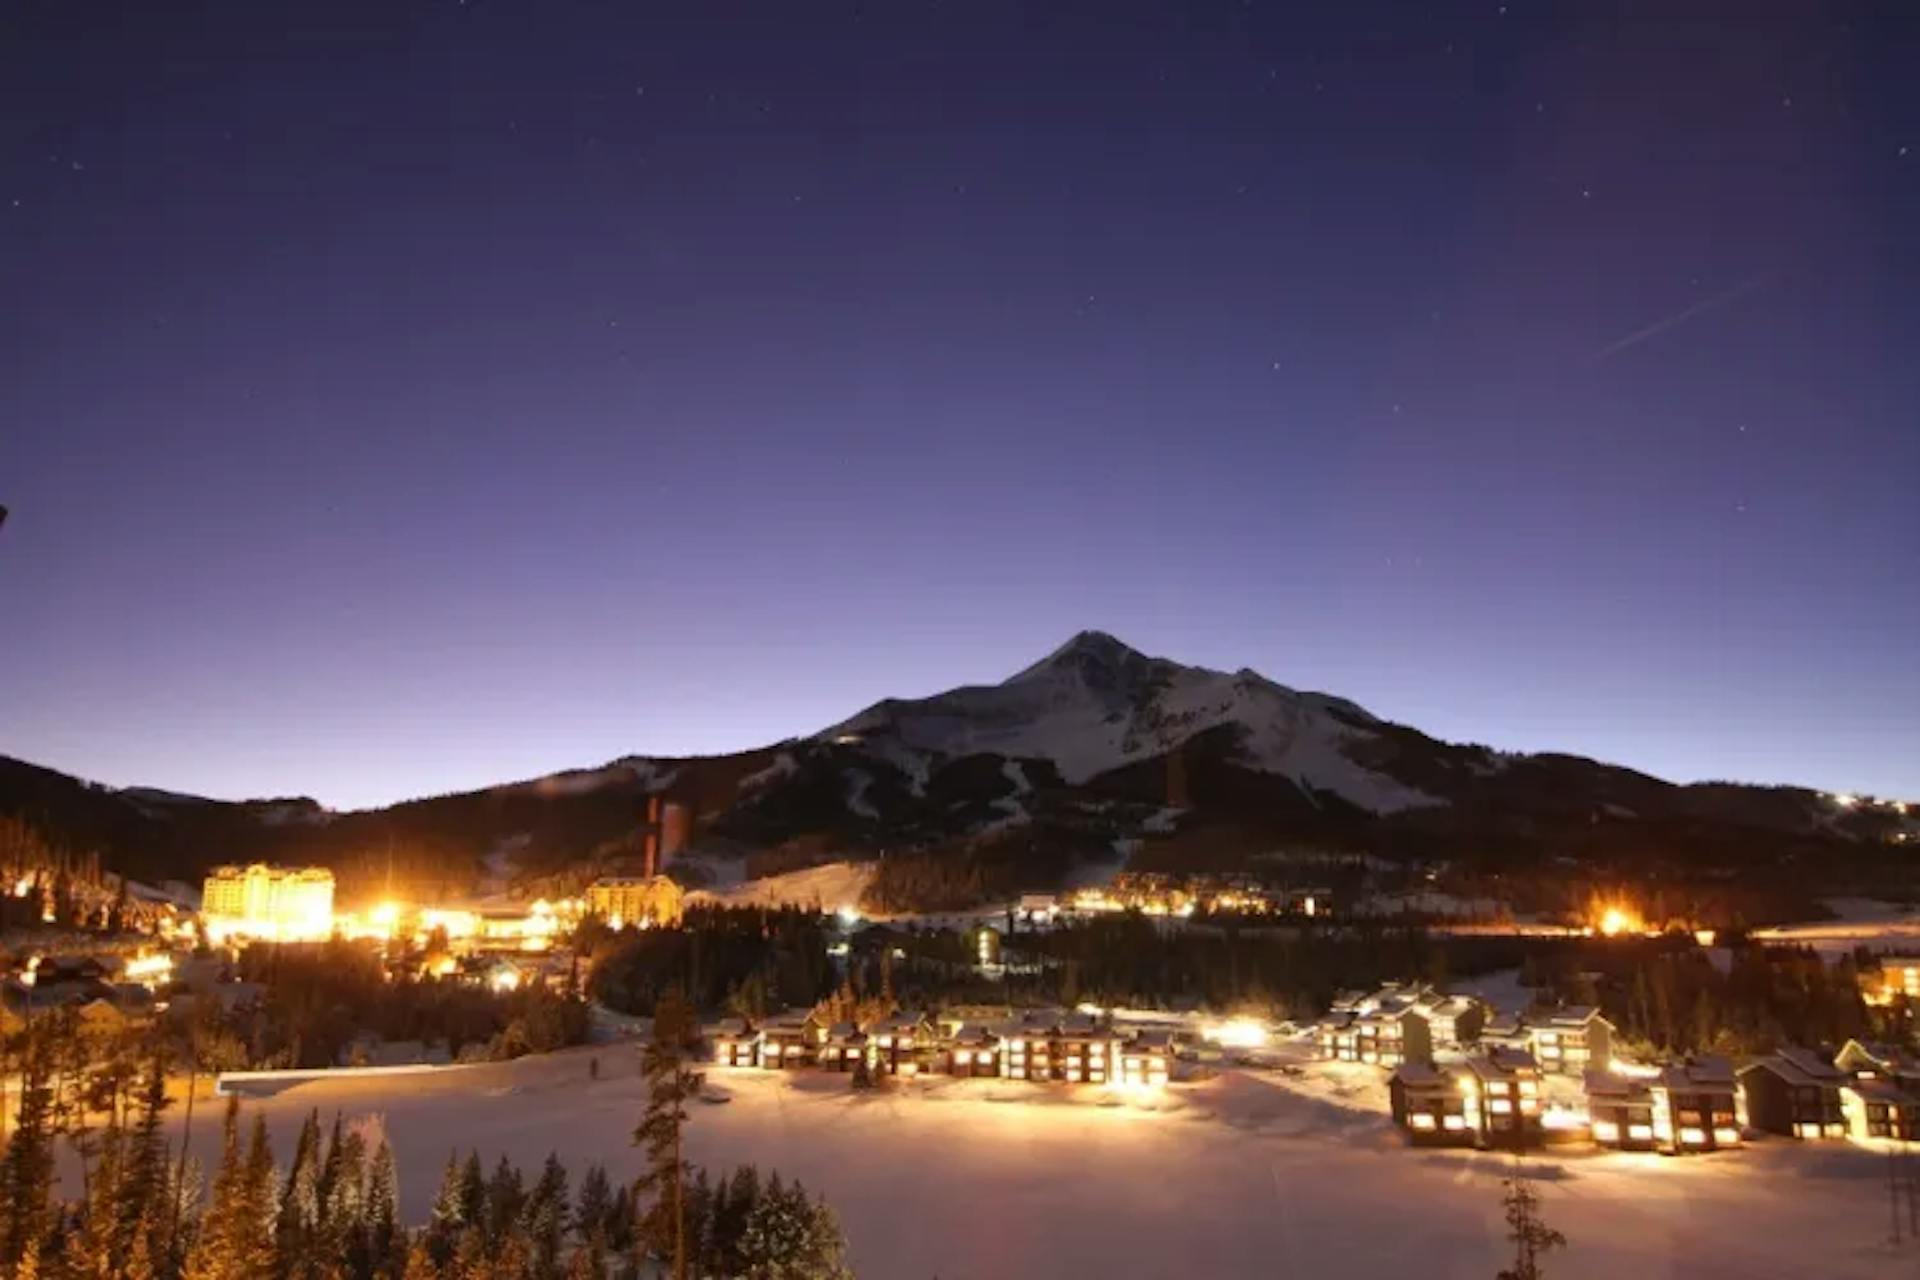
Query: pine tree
(733,1205)
(449,1215)
(1532,1238)
(544,1220)
(144,1186)
(253,1226)
(420,1264)
(506,1195)
(473,1191)
(209,1259)
(299,1215)
(94,1249)
(26,1174)
(669,1086)
(386,1239)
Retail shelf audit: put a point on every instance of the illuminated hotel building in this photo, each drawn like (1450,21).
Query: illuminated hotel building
(269,902)
(640,901)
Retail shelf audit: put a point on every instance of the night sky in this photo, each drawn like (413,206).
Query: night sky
(398,397)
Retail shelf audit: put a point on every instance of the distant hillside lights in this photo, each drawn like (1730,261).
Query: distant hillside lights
(284,904)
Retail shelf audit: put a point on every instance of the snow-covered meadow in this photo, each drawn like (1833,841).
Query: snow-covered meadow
(1247,1174)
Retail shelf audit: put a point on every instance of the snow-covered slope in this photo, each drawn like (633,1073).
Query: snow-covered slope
(1094,705)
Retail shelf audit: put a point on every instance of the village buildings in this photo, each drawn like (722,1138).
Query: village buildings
(1044,1047)
(1796,1094)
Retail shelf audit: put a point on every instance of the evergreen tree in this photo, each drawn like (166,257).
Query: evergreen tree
(449,1215)
(473,1192)
(506,1196)
(94,1249)
(295,1226)
(253,1249)
(213,1252)
(669,1086)
(144,1186)
(386,1247)
(1532,1238)
(420,1264)
(789,1236)
(544,1220)
(26,1173)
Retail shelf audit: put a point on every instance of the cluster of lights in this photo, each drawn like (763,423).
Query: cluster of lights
(1236,1033)
(535,930)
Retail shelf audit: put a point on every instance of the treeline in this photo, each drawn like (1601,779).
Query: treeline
(334,1214)
(739,1224)
(1130,959)
(44,886)
(319,997)
(1672,999)
(745,959)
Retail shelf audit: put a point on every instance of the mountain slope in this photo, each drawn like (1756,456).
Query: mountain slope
(1094,705)
(1093,750)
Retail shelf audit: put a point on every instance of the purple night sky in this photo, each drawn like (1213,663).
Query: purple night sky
(398,397)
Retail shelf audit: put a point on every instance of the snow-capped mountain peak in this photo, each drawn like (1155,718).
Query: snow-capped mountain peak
(1095,704)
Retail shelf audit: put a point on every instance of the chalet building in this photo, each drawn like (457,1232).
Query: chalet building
(1569,1041)
(1029,1049)
(1453,1022)
(1876,1107)
(1502,1104)
(791,1040)
(1385,1035)
(1873,1058)
(1084,1052)
(736,1043)
(1898,976)
(1146,1059)
(1697,1106)
(1620,1111)
(842,1045)
(1431,1105)
(974,1051)
(1795,1093)
(897,1042)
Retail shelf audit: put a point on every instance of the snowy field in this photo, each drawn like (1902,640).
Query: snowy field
(1857,922)
(1244,1175)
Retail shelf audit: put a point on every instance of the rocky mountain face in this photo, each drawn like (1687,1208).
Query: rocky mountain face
(1093,753)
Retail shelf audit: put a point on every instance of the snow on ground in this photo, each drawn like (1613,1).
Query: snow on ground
(498,865)
(1162,821)
(1859,922)
(1246,1174)
(783,765)
(858,780)
(651,774)
(1500,989)
(1012,814)
(827,887)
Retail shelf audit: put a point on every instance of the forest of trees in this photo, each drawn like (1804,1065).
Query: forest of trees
(746,959)
(143,1213)
(1669,998)
(319,997)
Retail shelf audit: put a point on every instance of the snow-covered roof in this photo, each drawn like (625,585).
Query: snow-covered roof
(1798,1066)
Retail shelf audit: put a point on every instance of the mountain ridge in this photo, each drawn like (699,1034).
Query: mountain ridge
(1094,746)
